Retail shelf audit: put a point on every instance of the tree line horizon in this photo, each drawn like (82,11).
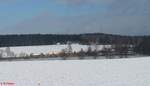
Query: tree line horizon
(141,43)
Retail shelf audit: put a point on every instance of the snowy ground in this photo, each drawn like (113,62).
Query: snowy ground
(116,72)
(45,49)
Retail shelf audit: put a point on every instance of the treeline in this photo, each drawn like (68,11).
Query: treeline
(49,39)
(141,43)
(143,46)
(35,39)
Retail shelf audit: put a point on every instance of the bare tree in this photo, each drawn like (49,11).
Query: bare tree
(69,48)
(121,50)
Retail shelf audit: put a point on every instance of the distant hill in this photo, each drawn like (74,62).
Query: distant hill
(49,39)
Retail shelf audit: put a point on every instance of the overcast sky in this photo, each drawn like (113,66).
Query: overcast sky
(127,17)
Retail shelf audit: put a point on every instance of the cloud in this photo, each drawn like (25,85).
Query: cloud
(83,2)
(115,7)
(128,17)
(130,7)
(127,25)
(7,1)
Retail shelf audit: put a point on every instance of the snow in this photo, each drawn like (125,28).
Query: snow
(114,72)
(48,49)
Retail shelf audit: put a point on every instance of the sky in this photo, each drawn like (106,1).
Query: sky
(126,17)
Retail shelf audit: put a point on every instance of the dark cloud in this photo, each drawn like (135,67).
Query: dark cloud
(132,25)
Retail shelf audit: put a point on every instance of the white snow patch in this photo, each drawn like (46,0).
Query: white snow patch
(49,48)
(116,72)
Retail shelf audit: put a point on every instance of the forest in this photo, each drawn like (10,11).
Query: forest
(141,44)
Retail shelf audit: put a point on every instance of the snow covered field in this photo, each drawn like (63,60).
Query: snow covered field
(116,72)
(45,49)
